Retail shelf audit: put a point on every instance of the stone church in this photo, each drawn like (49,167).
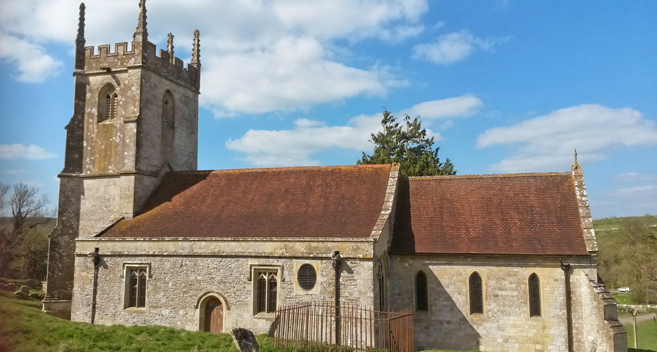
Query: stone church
(485,262)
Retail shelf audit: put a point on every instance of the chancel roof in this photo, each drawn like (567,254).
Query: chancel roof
(489,214)
(333,201)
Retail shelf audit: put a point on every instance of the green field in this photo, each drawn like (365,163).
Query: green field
(615,223)
(624,298)
(29,329)
(647,333)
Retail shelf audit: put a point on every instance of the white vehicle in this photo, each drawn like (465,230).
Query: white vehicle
(624,289)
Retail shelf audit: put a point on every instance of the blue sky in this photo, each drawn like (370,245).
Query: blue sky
(504,86)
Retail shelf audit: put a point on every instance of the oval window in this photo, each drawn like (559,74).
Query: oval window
(307,277)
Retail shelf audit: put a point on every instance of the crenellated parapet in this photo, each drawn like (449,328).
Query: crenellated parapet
(140,54)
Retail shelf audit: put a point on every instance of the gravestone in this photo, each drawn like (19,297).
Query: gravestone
(245,340)
(25,289)
(29,283)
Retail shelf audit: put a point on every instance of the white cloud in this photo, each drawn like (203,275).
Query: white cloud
(292,74)
(547,142)
(635,201)
(19,151)
(635,177)
(257,55)
(463,106)
(632,192)
(453,47)
(13,172)
(33,64)
(296,146)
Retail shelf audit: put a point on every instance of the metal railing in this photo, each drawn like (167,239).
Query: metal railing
(323,326)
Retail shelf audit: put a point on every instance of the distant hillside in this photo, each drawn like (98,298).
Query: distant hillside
(615,223)
(47,224)
(627,250)
(608,231)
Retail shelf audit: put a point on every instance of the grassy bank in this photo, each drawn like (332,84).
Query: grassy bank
(29,329)
(647,332)
(25,328)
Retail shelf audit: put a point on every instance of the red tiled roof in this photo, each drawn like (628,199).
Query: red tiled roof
(340,201)
(489,214)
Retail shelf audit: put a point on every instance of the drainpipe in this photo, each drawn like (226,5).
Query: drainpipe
(96,260)
(337,263)
(569,314)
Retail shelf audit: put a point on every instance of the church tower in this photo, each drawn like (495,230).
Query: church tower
(135,118)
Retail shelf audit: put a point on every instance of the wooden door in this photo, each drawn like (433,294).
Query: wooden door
(214,316)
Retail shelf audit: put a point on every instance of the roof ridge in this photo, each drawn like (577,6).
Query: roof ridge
(326,167)
(520,174)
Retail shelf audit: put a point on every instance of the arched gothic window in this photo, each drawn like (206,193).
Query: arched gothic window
(168,109)
(476,294)
(421,292)
(137,291)
(267,290)
(107,103)
(534,296)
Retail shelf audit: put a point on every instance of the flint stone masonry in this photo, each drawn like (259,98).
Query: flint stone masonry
(505,324)
(177,286)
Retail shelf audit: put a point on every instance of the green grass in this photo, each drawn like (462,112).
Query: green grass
(613,223)
(647,332)
(624,298)
(29,329)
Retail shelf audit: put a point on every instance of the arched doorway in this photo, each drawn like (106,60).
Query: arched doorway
(214,316)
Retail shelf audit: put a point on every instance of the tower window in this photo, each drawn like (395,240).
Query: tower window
(534,296)
(421,292)
(168,117)
(476,294)
(107,103)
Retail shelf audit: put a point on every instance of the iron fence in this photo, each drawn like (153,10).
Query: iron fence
(324,326)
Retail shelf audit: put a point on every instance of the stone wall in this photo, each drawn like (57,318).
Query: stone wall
(595,318)
(184,142)
(177,283)
(505,324)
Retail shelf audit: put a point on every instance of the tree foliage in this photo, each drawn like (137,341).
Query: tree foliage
(24,240)
(25,204)
(407,144)
(631,260)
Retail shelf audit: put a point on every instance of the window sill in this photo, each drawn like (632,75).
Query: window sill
(265,315)
(135,310)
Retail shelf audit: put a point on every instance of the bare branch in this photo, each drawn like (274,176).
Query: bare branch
(25,204)
(4,189)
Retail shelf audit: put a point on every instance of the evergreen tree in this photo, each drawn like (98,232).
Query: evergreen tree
(407,145)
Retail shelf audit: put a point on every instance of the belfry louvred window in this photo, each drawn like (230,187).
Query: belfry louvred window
(168,109)
(108,103)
